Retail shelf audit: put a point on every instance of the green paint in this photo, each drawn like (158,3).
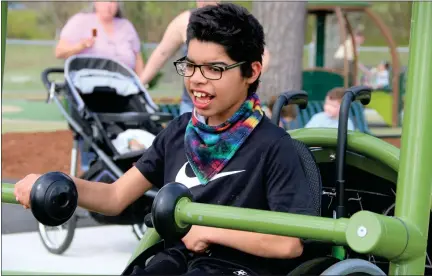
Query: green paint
(7,193)
(369,232)
(323,155)
(414,183)
(358,142)
(338,252)
(150,238)
(270,222)
(4,12)
(382,239)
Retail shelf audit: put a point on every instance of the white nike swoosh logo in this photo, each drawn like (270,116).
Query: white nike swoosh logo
(193,181)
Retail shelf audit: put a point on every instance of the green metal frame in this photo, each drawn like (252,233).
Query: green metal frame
(401,239)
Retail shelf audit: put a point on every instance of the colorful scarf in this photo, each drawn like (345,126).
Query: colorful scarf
(209,148)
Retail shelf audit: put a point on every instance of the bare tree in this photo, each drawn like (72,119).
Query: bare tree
(284,27)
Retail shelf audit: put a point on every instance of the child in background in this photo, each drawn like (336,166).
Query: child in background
(287,116)
(330,117)
(378,77)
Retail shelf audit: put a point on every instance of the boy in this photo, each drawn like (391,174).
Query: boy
(173,39)
(226,152)
(330,117)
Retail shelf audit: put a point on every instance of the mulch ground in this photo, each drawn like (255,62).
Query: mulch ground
(40,152)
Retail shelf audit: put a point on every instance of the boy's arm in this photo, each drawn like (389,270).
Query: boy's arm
(112,199)
(108,199)
(287,191)
(262,245)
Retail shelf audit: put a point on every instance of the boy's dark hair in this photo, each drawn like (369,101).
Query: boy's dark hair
(234,28)
(336,93)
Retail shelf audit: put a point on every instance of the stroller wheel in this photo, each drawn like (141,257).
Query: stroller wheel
(139,229)
(58,239)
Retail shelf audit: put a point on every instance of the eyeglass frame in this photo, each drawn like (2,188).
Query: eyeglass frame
(221,67)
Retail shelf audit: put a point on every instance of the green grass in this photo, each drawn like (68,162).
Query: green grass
(25,63)
(35,110)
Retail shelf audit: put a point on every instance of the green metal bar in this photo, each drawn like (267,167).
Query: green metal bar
(7,193)
(376,149)
(415,175)
(320,39)
(387,236)
(150,238)
(276,223)
(4,12)
(384,236)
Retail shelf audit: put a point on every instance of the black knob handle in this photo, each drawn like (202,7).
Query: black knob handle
(163,211)
(53,198)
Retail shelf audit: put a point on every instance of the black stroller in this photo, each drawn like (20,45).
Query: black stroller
(101,98)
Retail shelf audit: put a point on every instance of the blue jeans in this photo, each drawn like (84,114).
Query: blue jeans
(86,157)
(185,107)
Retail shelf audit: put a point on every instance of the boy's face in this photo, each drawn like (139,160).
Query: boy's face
(219,99)
(331,107)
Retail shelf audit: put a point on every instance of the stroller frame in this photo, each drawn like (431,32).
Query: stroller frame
(114,171)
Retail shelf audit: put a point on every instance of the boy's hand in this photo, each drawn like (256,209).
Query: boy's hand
(196,240)
(23,188)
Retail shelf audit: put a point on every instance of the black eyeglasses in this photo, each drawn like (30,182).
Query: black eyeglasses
(186,68)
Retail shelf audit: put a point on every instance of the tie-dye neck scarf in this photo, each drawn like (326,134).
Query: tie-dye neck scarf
(209,148)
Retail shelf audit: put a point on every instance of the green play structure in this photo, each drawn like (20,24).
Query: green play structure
(375,200)
(318,80)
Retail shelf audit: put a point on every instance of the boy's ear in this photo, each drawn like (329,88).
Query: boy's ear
(256,72)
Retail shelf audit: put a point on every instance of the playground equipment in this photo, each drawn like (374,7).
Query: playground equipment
(373,224)
(318,80)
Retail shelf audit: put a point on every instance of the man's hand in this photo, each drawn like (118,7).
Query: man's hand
(196,240)
(23,188)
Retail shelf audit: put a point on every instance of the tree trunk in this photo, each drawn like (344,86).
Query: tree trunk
(284,27)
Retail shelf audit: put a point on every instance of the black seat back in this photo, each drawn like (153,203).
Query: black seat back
(312,173)
(106,100)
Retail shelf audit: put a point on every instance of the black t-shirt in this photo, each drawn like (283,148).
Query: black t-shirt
(265,173)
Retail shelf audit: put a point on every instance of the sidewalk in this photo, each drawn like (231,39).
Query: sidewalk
(103,250)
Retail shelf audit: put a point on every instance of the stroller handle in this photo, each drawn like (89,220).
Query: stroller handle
(47,72)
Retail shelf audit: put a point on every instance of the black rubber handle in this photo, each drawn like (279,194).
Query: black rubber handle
(355,93)
(47,72)
(298,97)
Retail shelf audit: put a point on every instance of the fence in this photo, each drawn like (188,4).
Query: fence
(26,59)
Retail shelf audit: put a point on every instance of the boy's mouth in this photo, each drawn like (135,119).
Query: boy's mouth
(201,99)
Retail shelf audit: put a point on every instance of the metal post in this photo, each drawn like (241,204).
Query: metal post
(320,39)
(415,174)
